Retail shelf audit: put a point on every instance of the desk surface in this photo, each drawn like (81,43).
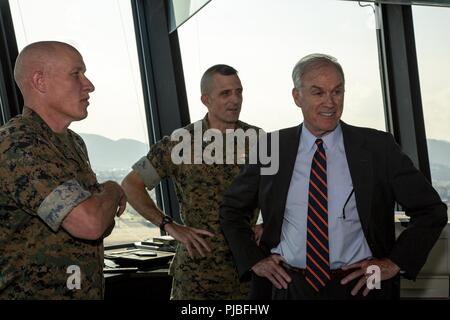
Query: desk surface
(128,259)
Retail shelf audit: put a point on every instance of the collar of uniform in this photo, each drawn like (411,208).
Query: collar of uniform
(205,123)
(57,138)
(330,140)
(206,126)
(30,114)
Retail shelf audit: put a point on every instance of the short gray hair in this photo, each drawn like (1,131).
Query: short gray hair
(222,69)
(313,61)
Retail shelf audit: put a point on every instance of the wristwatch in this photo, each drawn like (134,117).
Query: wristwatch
(165,220)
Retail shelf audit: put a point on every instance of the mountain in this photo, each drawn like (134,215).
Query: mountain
(440,172)
(439,153)
(107,154)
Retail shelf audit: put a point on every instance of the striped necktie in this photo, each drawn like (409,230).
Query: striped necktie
(317,251)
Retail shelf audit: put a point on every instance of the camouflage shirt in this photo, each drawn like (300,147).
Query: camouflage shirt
(199,189)
(43,176)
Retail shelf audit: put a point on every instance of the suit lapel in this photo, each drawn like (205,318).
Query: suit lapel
(360,165)
(289,141)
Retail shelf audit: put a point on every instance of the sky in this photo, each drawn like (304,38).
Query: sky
(103,31)
(262,39)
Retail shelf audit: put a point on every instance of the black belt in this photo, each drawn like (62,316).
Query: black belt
(335,273)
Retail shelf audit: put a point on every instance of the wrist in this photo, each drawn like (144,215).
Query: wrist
(165,221)
(110,187)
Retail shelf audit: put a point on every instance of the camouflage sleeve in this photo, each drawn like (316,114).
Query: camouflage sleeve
(147,172)
(57,205)
(157,164)
(38,180)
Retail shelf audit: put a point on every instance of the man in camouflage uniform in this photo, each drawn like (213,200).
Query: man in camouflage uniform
(53,212)
(203,266)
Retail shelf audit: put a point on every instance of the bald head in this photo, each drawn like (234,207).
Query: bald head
(37,57)
(51,77)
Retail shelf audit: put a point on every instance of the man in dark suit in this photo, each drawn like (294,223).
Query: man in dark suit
(329,210)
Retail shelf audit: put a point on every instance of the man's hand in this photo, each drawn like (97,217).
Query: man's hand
(122,203)
(271,269)
(191,238)
(388,270)
(258,230)
(115,187)
(109,230)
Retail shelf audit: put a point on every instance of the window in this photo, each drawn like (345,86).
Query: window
(2,107)
(432,31)
(115,131)
(263,40)
(181,10)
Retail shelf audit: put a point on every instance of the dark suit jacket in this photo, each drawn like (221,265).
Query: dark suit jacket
(381,175)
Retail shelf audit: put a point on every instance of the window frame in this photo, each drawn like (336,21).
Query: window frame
(165,98)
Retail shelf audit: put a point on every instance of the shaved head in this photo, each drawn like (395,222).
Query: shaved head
(37,57)
(51,77)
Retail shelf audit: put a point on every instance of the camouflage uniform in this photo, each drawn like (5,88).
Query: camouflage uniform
(199,189)
(43,176)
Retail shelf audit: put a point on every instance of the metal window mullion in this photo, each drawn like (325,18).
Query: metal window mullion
(12,101)
(165,97)
(400,75)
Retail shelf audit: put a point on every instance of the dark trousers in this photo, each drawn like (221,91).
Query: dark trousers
(299,289)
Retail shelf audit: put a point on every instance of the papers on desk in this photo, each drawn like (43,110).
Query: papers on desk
(401,218)
(138,255)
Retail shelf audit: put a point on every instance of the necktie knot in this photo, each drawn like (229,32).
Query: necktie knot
(319,142)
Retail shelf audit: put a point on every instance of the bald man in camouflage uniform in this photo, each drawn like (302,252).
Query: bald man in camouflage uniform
(203,266)
(53,212)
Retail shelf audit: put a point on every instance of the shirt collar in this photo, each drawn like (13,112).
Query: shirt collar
(330,140)
(36,118)
(29,113)
(205,123)
(206,126)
